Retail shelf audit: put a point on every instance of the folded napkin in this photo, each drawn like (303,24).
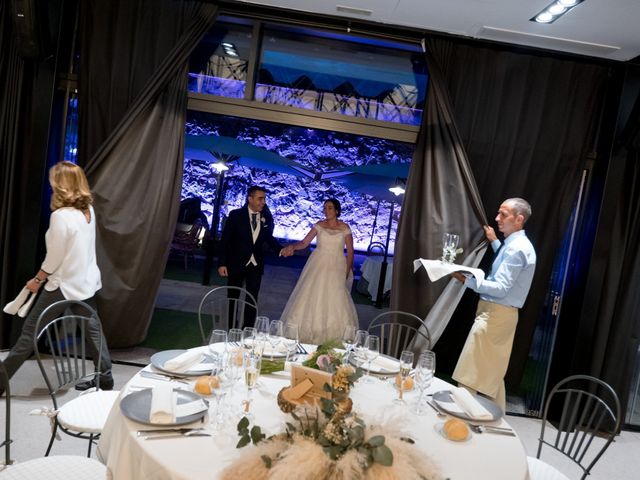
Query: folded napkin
(469,404)
(184,361)
(163,404)
(437,269)
(21,304)
(384,363)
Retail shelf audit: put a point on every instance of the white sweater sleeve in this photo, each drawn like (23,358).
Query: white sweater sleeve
(57,242)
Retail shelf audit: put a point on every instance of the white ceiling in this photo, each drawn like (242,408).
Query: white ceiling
(600,28)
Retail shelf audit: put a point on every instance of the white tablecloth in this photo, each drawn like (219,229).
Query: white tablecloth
(371,273)
(201,458)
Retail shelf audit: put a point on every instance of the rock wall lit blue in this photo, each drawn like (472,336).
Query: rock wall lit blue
(296,202)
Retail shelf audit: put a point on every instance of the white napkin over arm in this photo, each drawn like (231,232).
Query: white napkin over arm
(184,361)
(163,403)
(469,404)
(21,304)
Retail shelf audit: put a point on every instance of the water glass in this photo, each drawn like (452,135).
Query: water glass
(349,340)
(248,338)
(425,370)
(262,327)
(276,330)
(290,339)
(234,336)
(217,346)
(360,345)
(371,352)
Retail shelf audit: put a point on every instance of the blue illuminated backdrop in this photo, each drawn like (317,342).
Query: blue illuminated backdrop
(296,202)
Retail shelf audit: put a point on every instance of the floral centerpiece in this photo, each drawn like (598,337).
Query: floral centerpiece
(329,440)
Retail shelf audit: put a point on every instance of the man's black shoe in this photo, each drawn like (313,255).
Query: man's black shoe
(106,383)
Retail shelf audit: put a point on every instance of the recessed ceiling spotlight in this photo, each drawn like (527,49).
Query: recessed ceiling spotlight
(544,17)
(227,44)
(554,11)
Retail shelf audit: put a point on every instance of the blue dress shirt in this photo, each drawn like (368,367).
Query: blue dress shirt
(511,272)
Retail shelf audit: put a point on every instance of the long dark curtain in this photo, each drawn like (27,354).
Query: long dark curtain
(607,331)
(527,123)
(132,112)
(441,196)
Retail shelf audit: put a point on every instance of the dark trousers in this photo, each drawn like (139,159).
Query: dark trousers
(249,277)
(23,348)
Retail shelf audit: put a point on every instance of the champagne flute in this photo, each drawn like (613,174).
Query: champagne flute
(217,346)
(406,363)
(275,335)
(251,366)
(349,341)
(371,352)
(424,372)
(290,339)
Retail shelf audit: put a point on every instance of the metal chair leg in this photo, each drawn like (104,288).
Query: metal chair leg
(53,437)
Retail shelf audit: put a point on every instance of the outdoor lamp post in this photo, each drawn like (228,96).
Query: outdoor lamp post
(220,167)
(398,188)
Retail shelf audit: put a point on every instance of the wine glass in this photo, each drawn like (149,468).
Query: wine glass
(262,327)
(349,341)
(425,369)
(248,338)
(360,344)
(251,366)
(406,363)
(449,245)
(219,384)
(290,339)
(217,346)
(275,335)
(234,336)
(371,352)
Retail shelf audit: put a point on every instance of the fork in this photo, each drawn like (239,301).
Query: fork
(157,434)
(486,429)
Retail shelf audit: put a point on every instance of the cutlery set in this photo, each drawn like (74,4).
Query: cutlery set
(173,433)
(475,427)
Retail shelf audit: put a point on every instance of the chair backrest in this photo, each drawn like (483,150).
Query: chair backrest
(66,327)
(4,385)
(186,237)
(227,307)
(376,249)
(400,331)
(588,408)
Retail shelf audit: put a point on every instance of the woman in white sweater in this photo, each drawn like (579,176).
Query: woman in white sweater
(69,270)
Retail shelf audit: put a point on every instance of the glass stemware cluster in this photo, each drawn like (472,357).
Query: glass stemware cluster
(450,243)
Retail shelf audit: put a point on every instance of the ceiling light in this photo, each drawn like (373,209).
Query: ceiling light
(219,167)
(398,187)
(544,17)
(555,10)
(227,44)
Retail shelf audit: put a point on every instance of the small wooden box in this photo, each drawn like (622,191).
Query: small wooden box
(299,373)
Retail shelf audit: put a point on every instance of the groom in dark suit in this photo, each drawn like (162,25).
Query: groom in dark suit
(241,250)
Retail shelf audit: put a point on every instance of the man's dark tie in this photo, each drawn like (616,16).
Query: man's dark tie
(254,220)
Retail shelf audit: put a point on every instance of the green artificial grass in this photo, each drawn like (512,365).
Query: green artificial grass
(172,329)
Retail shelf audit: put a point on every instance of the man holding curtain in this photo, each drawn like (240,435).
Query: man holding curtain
(245,232)
(485,356)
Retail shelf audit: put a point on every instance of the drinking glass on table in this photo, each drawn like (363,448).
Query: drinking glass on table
(371,353)
(425,369)
(349,341)
(252,363)
(234,337)
(360,345)
(248,338)
(276,330)
(406,363)
(262,327)
(217,346)
(220,385)
(290,339)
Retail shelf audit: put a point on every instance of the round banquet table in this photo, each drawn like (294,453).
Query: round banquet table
(128,456)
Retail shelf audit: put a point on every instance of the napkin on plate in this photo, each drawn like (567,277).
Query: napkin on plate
(183,362)
(163,403)
(384,363)
(469,404)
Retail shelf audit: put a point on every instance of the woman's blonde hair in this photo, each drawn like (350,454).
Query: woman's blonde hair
(70,186)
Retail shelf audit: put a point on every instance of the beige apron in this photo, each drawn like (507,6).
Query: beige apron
(485,356)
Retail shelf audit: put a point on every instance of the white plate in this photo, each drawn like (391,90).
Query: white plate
(446,403)
(375,368)
(136,407)
(160,358)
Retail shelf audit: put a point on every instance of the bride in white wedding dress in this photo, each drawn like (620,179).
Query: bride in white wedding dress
(321,303)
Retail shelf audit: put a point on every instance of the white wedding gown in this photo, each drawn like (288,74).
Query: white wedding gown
(321,303)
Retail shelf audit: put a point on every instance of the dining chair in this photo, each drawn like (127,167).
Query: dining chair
(400,331)
(226,308)
(63,467)
(63,341)
(186,238)
(590,418)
